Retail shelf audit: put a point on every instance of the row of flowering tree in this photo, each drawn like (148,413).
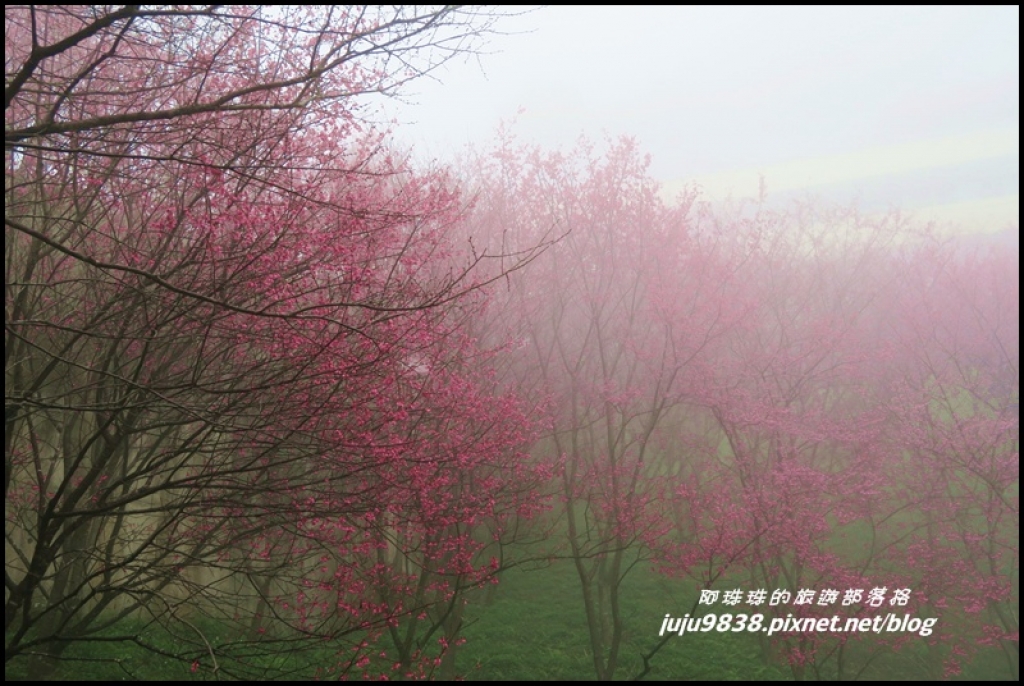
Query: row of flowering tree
(260,373)
(803,399)
(236,383)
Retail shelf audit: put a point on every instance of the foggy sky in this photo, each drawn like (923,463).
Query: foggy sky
(905,107)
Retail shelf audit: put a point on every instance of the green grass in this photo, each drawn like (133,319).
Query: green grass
(163,654)
(536,629)
(533,628)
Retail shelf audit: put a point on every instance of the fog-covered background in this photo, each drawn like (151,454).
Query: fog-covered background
(909,107)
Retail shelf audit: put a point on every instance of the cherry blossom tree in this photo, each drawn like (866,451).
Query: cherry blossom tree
(826,444)
(802,398)
(584,341)
(235,383)
(955,418)
(783,412)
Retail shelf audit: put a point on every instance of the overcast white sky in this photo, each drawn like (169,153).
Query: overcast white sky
(909,107)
